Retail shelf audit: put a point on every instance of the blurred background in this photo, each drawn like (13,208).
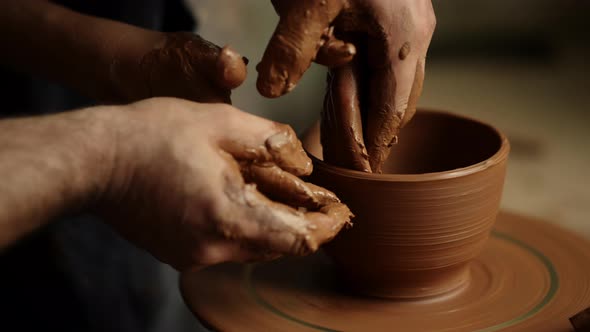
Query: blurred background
(520,65)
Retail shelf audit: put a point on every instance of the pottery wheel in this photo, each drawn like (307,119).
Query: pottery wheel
(532,276)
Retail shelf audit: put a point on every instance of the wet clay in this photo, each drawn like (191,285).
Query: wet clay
(280,69)
(208,70)
(341,122)
(581,321)
(302,214)
(287,188)
(334,52)
(329,32)
(523,280)
(418,226)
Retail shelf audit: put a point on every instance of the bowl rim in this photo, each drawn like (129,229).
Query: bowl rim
(500,156)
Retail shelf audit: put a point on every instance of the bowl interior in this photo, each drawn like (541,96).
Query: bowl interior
(433,142)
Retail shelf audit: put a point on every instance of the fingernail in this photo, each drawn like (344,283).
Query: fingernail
(231,67)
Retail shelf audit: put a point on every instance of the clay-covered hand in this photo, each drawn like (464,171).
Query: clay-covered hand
(182,64)
(199,184)
(111,61)
(388,40)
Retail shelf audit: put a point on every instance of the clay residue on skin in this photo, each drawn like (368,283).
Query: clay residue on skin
(282,148)
(299,216)
(311,215)
(415,93)
(394,35)
(286,150)
(370,137)
(285,187)
(384,117)
(334,52)
(287,57)
(341,125)
(208,70)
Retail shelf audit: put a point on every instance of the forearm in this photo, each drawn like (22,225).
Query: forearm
(50,166)
(45,39)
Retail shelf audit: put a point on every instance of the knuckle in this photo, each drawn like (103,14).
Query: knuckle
(283,128)
(425,22)
(425,30)
(431,21)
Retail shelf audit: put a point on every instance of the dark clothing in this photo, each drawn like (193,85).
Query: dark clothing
(77,274)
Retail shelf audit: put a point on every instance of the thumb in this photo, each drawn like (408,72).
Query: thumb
(230,68)
(225,66)
(187,66)
(294,44)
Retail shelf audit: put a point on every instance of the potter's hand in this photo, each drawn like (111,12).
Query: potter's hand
(388,39)
(178,64)
(111,61)
(196,186)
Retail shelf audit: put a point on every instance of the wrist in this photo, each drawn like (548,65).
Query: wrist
(54,165)
(116,142)
(94,155)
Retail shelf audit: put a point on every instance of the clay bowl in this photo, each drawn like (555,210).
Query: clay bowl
(420,223)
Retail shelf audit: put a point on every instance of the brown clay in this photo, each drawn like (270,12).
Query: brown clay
(311,214)
(334,52)
(523,280)
(292,230)
(283,149)
(341,124)
(391,37)
(284,62)
(415,93)
(417,227)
